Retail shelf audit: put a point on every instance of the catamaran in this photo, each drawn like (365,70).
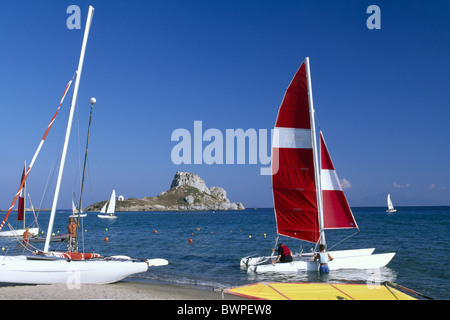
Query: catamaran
(50,267)
(308,197)
(390,205)
(107,211)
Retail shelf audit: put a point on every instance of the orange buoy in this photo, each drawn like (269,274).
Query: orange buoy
(106,239)
(156,231)
(190,240)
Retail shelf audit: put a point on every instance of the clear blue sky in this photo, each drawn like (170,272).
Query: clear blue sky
(381,96)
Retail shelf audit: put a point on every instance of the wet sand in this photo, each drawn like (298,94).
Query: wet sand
(123,290)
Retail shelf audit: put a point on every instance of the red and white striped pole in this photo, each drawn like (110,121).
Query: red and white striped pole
(22,183)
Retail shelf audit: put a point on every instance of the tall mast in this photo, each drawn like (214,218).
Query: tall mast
(93,100)
(69,127)
(315,152)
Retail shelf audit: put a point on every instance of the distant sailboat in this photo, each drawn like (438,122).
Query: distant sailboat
(75,211)
(108,210)
(390,205)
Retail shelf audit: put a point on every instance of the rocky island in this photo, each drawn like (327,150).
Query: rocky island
(188,192)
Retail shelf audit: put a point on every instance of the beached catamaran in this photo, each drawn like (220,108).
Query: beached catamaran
(308,197)
(49,267)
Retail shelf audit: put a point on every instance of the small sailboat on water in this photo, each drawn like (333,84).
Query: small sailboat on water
(108,210)
(390,205)
(75,213)
(308,197)
(50,267)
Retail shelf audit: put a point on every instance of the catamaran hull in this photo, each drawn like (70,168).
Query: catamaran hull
(18,232)
(255,260)
(103,216)
(356,262)
(25,270)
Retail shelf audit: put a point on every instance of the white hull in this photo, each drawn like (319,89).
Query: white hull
(38,270)
(106,216)
(352,262)
(253,260)
(83,215)
(18,232)
(391,210)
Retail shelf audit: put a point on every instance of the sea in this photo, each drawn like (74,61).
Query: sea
(204,248)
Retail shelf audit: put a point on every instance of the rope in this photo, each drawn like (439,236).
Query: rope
(344,239)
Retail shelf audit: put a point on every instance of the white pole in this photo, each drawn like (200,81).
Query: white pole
(315,153)
(69,127)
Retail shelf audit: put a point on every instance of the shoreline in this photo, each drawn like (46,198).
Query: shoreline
(122,290)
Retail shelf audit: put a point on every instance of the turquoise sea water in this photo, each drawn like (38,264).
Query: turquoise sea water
(418,235)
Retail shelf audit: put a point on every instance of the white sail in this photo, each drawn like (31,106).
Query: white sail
(112,203)
(390,204)
(103,210)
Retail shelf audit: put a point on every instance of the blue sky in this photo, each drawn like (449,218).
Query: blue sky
(381,96)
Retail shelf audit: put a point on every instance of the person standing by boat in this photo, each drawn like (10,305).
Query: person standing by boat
(323,257)
(26,235)
(284,254)
(72,228)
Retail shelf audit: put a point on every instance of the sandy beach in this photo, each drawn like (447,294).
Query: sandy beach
(123,290)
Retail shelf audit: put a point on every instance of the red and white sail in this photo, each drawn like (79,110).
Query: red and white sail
(293,174)
(306,200)
(336,211)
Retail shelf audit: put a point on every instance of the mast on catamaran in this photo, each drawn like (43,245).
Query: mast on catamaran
(68,130)
(315,153)
(93,101)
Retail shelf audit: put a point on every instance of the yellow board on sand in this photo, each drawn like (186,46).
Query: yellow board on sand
(318,291)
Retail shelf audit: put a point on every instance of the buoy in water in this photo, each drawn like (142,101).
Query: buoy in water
(250,236)
(190,240)
(156,231)
(106,239)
